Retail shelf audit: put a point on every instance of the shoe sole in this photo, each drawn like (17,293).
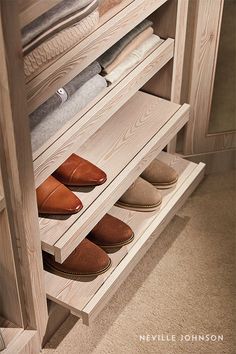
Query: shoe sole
(165,186)
(74,276)
(138,208)
(117,245)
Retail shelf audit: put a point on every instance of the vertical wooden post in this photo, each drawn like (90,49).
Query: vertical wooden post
(17,172)
(206,19)
(178,65)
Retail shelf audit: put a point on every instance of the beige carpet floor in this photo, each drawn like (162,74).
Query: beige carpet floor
(184,285)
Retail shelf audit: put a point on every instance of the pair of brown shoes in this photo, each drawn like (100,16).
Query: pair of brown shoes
(53,197)
(143,194)
(90,258)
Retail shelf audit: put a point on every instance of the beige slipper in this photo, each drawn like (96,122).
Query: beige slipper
(160,175)
(140,196)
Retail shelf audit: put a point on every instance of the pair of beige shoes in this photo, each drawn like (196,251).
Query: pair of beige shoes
(143,194)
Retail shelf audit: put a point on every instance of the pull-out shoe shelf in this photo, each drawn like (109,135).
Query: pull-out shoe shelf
(123,147)
(86,299)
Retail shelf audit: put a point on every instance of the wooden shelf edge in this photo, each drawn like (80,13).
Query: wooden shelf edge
(84,223)
(121,272)
(67,293)
(47,82)
(85,124)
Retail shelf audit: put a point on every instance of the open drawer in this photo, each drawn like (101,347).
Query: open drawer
(86,299)
(123,148)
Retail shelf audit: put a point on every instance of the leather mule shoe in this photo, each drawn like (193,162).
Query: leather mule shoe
(76,171)
(86,260)
(54,198)
(140,196)
(111,232)
(160,175)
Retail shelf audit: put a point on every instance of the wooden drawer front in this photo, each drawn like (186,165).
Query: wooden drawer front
(87,299)
(40,88)
(123,148)
(86,122)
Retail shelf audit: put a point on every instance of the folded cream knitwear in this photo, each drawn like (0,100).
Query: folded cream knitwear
(43,128)
(69,21)
(134,58)
(129,49)
(111,54)
(51,17)
(42,56)
(65,92)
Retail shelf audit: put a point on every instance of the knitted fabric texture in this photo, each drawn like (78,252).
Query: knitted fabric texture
(70,88)
(42,56)
(49,18)
(129,49)
(111,54)
(44,127)
(133,59)
(63,23)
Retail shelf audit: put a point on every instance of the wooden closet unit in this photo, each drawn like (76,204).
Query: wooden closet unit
(142,110)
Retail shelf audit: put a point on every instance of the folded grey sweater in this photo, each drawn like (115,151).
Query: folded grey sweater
(49,18)
(44,127)
(111,54)
(67,91)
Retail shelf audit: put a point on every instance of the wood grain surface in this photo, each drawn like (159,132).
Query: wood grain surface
(69,65)
(120,145)
(87,298)
(72,135)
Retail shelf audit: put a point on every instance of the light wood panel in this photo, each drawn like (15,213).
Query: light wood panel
(26,342)
(165,25)
(69,65)
(170,21)
(86,122)
(31,9)
(206,18)
(17,172)
(124,147)
(86,299)
(216,162)
(9,331)
(10,304)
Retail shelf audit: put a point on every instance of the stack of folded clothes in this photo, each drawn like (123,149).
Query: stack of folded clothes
(57,31)
(65,103)
(129,52)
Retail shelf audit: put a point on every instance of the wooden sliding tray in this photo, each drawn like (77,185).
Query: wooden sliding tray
(78,129)
(123,148)
(45,84)
(86,299)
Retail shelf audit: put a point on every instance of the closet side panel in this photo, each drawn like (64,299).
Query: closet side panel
(17,171)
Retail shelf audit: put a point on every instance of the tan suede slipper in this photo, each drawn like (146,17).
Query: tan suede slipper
(160,175)
(140,196)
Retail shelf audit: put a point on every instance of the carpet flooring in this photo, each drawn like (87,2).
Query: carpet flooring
(184,285)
